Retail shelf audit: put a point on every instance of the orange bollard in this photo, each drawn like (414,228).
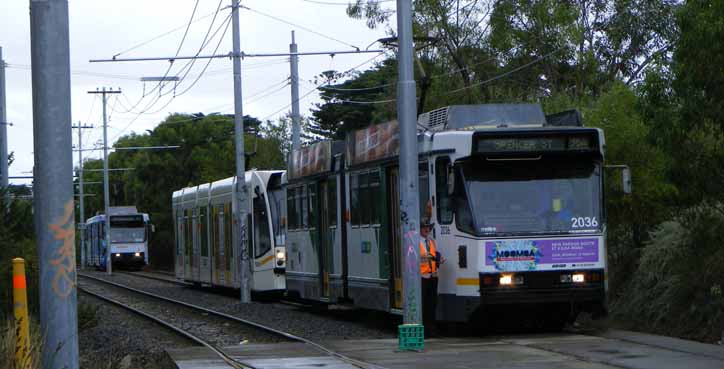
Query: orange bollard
(20,308)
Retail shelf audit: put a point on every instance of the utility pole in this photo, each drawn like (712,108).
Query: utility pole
(106,191)
(294,65)
(4,175)
(241,190)
(53,182)
(409,195)
(81,219)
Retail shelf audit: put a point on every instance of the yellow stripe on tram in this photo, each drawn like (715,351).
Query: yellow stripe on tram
(467,281)
(266,260)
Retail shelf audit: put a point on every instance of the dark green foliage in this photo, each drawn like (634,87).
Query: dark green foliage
(344,109)
(17,241)
(699,62)
(677,288)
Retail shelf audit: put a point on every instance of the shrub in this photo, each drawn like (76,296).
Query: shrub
(677,287)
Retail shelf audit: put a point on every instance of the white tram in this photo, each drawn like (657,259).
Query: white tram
(208,235)
(516,197)
(130,231)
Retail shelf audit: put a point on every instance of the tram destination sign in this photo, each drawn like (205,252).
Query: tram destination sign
(310,160)
(578,142)
(375,142)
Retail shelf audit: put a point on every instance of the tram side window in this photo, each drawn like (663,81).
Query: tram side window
(203,240)
(291,209)
(364,199)
(444,202)
(304,207)
(312,208)
(373,191)
(262,239)
(354,198)
(179,230)
(228,232)
(463,216)
(332,202)
(423,189)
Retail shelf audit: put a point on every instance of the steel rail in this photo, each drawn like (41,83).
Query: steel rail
(226,358)
(148,275)
(154,278)
(330,352)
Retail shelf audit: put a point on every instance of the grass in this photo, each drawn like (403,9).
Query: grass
(7,346)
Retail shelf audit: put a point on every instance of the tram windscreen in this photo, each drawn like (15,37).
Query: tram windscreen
(128,228)
(529,197)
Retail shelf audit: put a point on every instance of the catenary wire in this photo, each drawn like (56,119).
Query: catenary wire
(299,26)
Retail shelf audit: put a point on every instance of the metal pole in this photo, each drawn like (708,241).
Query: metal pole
(3,127)
(294,64)
(106,191)
(81,219)
(82,204)
(241,190)
(409,195)
(53,182)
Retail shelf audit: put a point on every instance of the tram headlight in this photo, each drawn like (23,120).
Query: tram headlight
(506,280)
(579,278)
(280,254)
(118,255)
(138,254)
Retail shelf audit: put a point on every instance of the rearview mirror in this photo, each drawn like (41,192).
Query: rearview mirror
(450,180)
(626,178)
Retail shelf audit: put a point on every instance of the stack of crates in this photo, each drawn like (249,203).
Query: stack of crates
(411,337)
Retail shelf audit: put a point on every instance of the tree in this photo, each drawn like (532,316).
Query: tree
(357,102)
(699,61)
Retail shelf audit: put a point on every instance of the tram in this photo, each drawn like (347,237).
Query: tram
(207,236)
(516,198)
(130,231)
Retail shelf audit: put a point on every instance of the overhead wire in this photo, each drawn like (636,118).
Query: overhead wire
(503,75)
(338,3)
(299,26)
(161,83)
(163,34)
(189,64)
(315,88)
(228,22)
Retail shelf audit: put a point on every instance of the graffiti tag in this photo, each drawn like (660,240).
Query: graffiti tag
(64,256)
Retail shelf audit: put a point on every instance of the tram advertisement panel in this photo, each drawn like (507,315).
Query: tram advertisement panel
(518,255)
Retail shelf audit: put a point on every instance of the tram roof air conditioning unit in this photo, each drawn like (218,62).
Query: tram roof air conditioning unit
(484,116)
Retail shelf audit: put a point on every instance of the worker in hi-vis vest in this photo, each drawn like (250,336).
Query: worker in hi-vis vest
(430,259)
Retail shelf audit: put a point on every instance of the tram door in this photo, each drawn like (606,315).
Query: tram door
(188,242)
(326,205)
(393,199)
(203,221)
(179,244)
(196,249)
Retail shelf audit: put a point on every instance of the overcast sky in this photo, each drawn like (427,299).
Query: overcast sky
(101,29)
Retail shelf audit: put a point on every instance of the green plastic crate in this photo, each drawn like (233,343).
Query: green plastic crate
(412,337)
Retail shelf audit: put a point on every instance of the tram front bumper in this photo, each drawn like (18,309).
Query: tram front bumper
(542,287)
(128,258)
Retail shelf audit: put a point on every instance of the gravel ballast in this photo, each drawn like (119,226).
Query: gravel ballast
(119,339)
(315,325)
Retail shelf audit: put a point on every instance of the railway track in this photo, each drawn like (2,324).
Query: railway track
(206,313)
(172,279)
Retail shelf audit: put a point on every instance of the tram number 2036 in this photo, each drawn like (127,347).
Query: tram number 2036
(584,222)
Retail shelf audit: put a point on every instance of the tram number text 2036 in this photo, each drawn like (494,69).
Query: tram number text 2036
(584,222)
